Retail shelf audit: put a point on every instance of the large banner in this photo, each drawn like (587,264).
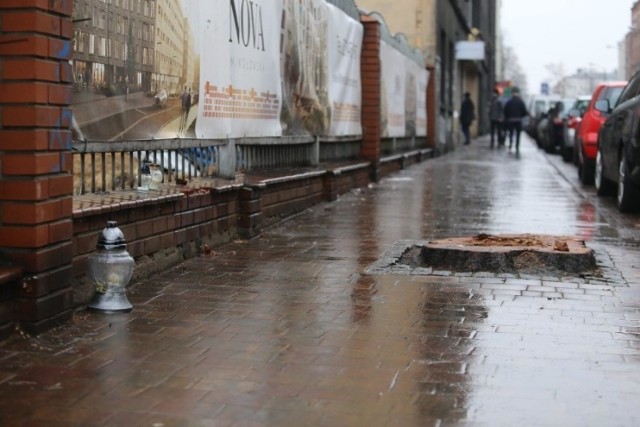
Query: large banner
(240,91)
(415,101)
(421,113)
(403,92)
(216,69)
(345,88)
(321,70)
(392,91)
(305,82)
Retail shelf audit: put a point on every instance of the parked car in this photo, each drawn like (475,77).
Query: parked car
(161,98)
(538,107)
(541,134)
(587,132)
(570,124)
(552,134)
(618,150)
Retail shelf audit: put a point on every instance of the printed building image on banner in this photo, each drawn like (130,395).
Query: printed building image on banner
(345,93)
(392,91)
(130,67)
(176,68)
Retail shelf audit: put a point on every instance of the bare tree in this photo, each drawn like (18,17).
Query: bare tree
(511,69)
(557,73)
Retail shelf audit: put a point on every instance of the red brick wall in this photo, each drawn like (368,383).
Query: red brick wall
(161,232)
(370,70)
(337,184)
(283,199)
(178,224)
(35,162)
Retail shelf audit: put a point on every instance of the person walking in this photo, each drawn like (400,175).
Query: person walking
(514,112)
(467,116)
(496,115)
(186,106)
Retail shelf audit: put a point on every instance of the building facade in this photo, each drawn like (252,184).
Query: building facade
(113,44)
(437,27)
(632,42)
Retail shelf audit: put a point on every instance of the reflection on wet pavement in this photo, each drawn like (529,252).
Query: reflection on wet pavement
(287,329)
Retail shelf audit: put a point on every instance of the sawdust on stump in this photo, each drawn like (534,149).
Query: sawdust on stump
(525,253)
(526,240)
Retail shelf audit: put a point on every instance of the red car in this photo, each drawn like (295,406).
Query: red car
(586,139)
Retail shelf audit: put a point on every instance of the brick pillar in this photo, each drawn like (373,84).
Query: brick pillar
(250,215)
(432,107)
(330,185)
(370,71)
(36,181)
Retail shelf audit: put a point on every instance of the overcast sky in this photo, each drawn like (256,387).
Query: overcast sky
(577,33)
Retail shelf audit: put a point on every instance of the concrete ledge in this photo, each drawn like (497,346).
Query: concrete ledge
(286,178)
(350,168)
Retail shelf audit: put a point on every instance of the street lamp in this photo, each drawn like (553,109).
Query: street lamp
(110,269)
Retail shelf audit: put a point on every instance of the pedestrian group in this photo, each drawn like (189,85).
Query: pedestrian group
(506,118)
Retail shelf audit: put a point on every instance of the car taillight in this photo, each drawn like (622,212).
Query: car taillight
(592,138)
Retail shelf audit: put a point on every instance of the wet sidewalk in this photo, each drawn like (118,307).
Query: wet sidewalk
(295,328)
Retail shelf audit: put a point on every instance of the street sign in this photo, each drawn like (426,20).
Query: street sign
(544,88)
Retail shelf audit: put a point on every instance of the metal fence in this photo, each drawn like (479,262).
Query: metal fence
(115,165)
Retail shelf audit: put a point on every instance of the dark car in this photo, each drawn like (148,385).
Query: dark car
(571,122)
(551,128)
(538,107)
(618,156)
(586,139)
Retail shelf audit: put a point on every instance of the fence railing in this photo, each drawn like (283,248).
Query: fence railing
(274,153)
(101,166)
(115,165)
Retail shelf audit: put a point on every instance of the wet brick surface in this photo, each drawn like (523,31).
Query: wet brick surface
(311,324)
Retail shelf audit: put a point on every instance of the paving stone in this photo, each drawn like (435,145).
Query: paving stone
(308,324)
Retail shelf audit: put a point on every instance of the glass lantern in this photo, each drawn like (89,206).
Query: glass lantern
(156,176)
(145,177)
(110,268)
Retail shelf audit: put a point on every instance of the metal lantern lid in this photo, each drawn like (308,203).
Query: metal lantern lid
(111,237)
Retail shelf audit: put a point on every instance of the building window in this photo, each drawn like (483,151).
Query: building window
(102,20)
(102,46)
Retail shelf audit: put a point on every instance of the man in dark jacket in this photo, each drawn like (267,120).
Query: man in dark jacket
(496,116)
(514,112)
(467,116)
